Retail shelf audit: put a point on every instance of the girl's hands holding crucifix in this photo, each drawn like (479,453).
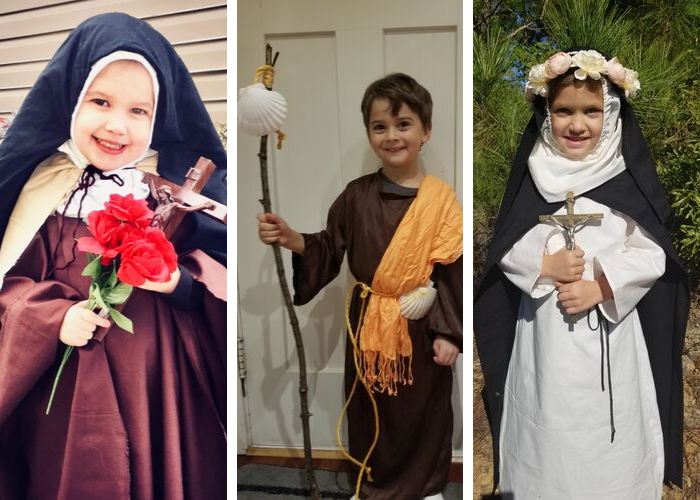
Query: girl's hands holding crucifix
(564,266)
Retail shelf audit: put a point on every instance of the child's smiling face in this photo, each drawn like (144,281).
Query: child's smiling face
(577,118)
(396,140)
(113,124)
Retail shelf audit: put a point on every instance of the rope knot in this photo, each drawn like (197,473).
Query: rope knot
(280,137)
(267,72)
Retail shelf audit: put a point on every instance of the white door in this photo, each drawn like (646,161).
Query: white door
(329,52)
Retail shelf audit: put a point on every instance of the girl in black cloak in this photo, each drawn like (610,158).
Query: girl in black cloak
(580,332)
(137,416)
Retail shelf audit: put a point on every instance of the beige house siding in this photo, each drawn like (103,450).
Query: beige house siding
(32,30)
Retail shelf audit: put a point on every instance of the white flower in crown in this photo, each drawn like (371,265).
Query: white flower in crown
(537,81)
(590,64)
(631,84)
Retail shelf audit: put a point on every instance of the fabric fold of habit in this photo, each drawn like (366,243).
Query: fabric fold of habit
(413,454)
(112,433)
(430,232)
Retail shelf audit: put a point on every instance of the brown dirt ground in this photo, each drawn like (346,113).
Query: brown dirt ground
(483,465)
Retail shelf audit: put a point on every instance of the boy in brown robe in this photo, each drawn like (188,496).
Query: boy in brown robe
(413,453)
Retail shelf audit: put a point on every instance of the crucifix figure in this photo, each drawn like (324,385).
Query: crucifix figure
(175,201)
(168,206)
(569,222)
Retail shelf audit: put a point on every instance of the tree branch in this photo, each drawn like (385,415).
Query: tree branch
(303,387)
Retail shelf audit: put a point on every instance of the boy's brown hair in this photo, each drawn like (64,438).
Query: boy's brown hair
(398,89)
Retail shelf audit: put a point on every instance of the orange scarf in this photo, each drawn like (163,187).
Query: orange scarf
(430,232)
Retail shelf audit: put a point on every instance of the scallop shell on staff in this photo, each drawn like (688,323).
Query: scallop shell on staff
(416,303)
(260,111)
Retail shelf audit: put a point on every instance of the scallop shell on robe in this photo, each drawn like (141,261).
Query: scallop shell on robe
(260,111)
(416,303)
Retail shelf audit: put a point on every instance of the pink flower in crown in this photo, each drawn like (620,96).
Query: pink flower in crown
(558,64)
(616,72)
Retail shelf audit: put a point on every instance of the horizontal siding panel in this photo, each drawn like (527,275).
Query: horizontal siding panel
(193,26)
(211,86)
(10,100)
(198,57)
(217,111)
(38,48)
(8,6)
(68,16)
(20,75)
(203,56)
(178,29)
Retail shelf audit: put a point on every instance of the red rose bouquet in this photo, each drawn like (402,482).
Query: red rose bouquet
(124,251)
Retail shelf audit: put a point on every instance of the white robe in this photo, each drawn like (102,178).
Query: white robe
(555,431)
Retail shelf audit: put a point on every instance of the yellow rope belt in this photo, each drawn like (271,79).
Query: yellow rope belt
(267,73)
(354,337)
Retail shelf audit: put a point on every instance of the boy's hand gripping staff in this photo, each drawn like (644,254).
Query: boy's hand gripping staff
(569,223)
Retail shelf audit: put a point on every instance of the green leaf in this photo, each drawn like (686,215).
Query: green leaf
(112,279)
(93,268)
(122,321)
(118,294)
(97,295)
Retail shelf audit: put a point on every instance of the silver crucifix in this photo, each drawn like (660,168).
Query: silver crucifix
(569,223)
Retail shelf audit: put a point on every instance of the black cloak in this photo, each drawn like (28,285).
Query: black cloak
(663,311)
(182,132)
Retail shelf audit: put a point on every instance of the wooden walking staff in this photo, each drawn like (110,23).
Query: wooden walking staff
(303,388)
(182,199)
(569,222)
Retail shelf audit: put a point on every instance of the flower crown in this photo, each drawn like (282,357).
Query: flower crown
(589,63)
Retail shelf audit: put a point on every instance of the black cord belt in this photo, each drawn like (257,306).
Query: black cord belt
(604,329)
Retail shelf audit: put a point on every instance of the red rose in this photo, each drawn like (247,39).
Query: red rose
(127,209)
(110,235)
(153,258)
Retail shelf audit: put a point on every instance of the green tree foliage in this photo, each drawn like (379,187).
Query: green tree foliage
(660,40)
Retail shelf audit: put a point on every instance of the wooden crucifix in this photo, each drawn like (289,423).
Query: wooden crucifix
(175,201)
(569,222)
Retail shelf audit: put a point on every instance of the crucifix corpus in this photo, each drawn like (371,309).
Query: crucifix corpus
(175,201)
(570,222)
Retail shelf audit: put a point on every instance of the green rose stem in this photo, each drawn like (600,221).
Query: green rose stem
(106,291)
(69,349)
(303,387)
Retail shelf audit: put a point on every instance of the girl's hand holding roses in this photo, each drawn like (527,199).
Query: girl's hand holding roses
(166,287)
